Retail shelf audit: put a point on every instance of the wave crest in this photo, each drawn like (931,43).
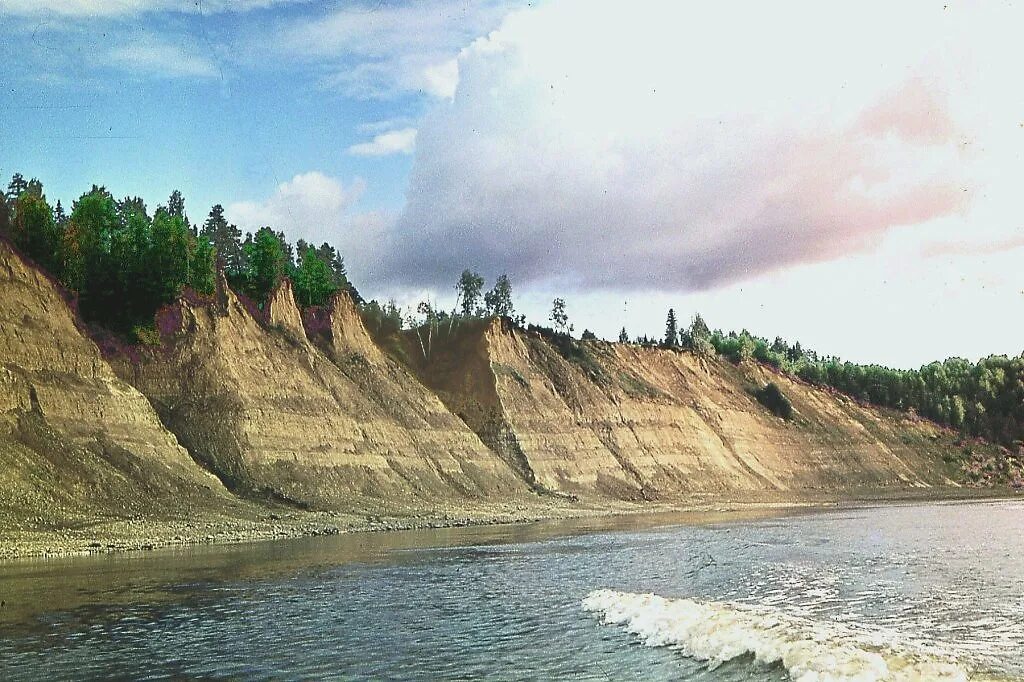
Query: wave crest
(811,651)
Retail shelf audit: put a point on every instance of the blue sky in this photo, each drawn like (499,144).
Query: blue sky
(758,166)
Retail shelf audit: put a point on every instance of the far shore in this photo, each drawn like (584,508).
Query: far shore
(276,523)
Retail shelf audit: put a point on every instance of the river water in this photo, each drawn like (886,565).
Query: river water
(924,591)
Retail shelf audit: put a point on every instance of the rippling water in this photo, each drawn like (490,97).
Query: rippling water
(905,592)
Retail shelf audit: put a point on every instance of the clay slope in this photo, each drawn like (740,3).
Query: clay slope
(623,421)
(273,415)
(76,442)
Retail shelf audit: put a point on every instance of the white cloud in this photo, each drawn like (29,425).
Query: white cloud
(154,57)
(392,142)
(709,146)
(319,208)
(115,8)
(386,50)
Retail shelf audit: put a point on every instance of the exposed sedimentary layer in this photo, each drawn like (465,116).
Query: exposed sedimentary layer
(624,421)
(272,414)
(74,439)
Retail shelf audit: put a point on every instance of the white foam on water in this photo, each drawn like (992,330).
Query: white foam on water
(811,651)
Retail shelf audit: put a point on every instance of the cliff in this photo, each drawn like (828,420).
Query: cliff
(274,416)
(594,418)
(76,442)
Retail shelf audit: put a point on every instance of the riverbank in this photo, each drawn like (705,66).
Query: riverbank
(262,523)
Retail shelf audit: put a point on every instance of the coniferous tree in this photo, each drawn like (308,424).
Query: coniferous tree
(266,263)
(226,241)
(15,187)
(623,336)
(671,330)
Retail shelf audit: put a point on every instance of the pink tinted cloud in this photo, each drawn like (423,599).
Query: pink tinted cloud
(964,248)
(915,112)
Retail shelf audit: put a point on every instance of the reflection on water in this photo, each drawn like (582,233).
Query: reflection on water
(505,602)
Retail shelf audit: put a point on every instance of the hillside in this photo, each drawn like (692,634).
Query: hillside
(619,420)
(261,406)
(77,443)
(242,423)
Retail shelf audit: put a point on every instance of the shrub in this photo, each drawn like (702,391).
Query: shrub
(772,397)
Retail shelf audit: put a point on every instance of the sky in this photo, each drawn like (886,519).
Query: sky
(847,176)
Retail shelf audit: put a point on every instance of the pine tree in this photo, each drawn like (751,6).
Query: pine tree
(671,330)
(623,336)
(226,240)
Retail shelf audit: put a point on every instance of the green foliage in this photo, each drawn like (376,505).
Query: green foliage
(499,299)
(623,336)
(699,338)
(382,321)
(262,267)
(35,232)
(124,264)
(470,287)
(772,397)
(671,330)
(559,318)
(588,335)
(313,280)
(225,239)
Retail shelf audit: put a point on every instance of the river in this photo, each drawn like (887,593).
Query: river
(914,591)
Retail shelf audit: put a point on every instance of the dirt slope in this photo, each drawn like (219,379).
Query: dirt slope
(622,421)
(76,442)
(273,415)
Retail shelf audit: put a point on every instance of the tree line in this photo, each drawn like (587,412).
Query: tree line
(124,263)
(982,399)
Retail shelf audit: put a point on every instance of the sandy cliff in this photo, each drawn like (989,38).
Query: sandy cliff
(271,413)
(622,421)
(76,442)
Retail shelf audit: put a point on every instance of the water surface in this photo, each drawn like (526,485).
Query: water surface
(933,582)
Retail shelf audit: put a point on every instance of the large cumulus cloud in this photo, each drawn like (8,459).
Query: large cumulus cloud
(647,145)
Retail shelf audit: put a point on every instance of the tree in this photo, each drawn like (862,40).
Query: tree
(559,318)
(15,187)
(266,260)
(671,330)
(226,240)
(499,299)
(176,207)
(588,335)
(623,336)
(170,255)
(700,337)
(313,280)
(469,288)
(35,232)
(339,274)
(203,272)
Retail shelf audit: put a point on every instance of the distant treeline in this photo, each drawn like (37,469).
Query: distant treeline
(125,263)
(983,399)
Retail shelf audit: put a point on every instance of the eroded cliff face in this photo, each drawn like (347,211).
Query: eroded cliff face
(76,441)
(274,415)
(623,421)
